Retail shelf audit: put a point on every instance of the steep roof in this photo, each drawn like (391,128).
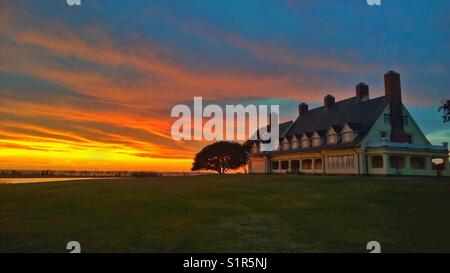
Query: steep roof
(360,115)
(283,129)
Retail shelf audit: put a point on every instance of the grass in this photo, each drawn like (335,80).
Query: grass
(233,213)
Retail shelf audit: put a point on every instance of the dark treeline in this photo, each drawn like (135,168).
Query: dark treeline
(73,173)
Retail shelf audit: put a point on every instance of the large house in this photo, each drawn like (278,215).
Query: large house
(356,136)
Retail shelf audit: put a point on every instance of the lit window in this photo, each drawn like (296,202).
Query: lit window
(257,165)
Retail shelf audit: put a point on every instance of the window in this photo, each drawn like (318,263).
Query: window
(318,164)
(284,165)
(285,145)
(305,143)
(438,164)
(347,137)
(383,136)
(417,162)
(397,162)
(410,139)
(341,162)
(257,165)
(275,165)
(332,139)
(295,164)
(307,164)
(316,141)
(387,119)
(377,161)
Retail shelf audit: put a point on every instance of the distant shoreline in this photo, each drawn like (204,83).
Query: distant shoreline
(88,174)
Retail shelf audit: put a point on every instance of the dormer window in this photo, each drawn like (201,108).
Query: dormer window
(347,137)
(294,143)
(332,139)
(305,143)
(317,138)
(285,145)
(332,134)
(254,148)
(316,141)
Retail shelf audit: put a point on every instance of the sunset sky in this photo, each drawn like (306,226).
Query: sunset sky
(91,87)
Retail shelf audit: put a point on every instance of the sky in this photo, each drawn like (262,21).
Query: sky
(92,86)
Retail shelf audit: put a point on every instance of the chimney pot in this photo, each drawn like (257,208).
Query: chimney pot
(362,90)
(302,109)
(328,100)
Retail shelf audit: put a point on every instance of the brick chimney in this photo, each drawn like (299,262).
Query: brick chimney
(394,96)
(328,100)
(302,109)
(362,90)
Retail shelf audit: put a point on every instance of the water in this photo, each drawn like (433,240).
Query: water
(43,179)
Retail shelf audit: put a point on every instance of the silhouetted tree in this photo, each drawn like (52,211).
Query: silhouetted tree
(445,108)
(247,146)
(220,157)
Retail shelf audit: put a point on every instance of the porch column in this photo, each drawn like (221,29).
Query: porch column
(407,162)
(313,167)
(428,165)
(386,162)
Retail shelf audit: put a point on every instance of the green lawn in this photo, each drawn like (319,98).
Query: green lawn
(233,213)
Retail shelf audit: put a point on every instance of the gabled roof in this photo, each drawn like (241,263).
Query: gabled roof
(336,128)
(308,134)
(320,133)
(359,115)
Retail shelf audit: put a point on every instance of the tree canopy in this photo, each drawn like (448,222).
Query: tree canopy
(220,157)
(445,109)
